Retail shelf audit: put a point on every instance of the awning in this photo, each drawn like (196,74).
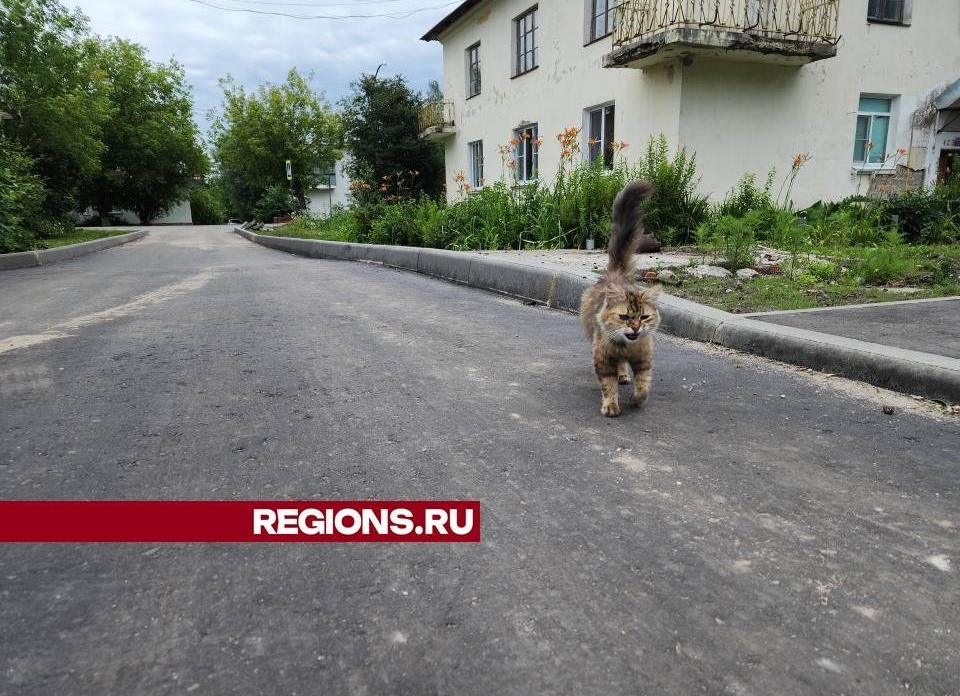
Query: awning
(950,99)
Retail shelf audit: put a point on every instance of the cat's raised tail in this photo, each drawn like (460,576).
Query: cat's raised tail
(627,227)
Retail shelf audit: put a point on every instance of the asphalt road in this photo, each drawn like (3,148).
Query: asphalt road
(750,530)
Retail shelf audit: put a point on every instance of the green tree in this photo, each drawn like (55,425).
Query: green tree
(381,120)
(152,146)
(255,134)
(51,86)
(208,205)
(21,197)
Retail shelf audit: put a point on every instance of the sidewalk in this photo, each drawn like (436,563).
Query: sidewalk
(929,326)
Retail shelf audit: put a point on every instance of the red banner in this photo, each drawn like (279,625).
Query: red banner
(235,521)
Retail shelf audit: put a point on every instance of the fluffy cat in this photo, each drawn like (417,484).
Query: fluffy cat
(619,315)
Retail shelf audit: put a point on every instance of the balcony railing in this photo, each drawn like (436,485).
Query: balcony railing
(790,27)
(436,119)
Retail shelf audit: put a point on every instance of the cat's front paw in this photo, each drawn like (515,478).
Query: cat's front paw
(639,397)
(624,378)
(610,409)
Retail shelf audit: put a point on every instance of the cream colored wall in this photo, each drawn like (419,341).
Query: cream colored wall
(748,118)
(569,79)
(179,214)
(737,117)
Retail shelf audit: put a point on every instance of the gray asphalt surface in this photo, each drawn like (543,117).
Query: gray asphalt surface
(749,531)
(930,327)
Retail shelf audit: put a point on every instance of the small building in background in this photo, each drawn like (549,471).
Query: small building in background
(324,198)
(178,214)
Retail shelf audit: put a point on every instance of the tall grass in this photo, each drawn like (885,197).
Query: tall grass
(576,208)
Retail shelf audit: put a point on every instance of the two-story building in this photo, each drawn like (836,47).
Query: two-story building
(868,88)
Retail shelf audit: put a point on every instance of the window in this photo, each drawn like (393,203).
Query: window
(525,33)
(873,125)
(528,152)
(329,176)
(601,18)
(600,135)
(473,71)
(886,11)
(476,163)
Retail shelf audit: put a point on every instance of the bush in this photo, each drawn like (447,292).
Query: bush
(676,203)
(276,201)
(584,198)
(577,208)
(339,226)
(208,206)
(746,196)
(917,210)
(732,238)
(944,231)
(397,225)
(822,270)
(881,266)
(21,199)
(854,221)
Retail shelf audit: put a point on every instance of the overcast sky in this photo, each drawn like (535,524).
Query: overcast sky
(259,48)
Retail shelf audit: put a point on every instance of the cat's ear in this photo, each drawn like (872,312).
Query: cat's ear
(651,294)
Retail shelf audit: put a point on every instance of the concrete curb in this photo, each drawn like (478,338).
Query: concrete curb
(907,371)
(42,257)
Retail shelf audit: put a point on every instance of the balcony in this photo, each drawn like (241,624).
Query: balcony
(785,32)
(436,120)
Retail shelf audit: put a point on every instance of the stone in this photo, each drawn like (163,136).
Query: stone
(705,271)
(667,276)
(746,273)
(648,244)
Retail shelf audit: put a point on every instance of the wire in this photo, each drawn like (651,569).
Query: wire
(315,3)
(397,15)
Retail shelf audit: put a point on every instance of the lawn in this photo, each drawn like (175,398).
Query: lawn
(333,230)
(80,235)
(838,276)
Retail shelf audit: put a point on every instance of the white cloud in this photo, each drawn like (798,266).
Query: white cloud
(254,48)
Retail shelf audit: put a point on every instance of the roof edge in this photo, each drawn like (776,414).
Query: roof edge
(449,20)
(949,96)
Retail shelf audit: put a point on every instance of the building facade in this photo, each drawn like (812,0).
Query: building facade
(862,86)
(325,198)
(178,214)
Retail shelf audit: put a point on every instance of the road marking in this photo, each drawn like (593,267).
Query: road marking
(71,326)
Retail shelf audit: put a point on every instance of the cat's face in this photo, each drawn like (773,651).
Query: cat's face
(626,315)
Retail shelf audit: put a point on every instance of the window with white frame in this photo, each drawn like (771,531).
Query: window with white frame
(601,18)
(473,70)
(600,134)
(475,154)
(525,42)
(873,128)
(528,152)
(892,11)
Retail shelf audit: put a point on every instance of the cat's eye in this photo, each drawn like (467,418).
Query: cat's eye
(624,317)
(644,316)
